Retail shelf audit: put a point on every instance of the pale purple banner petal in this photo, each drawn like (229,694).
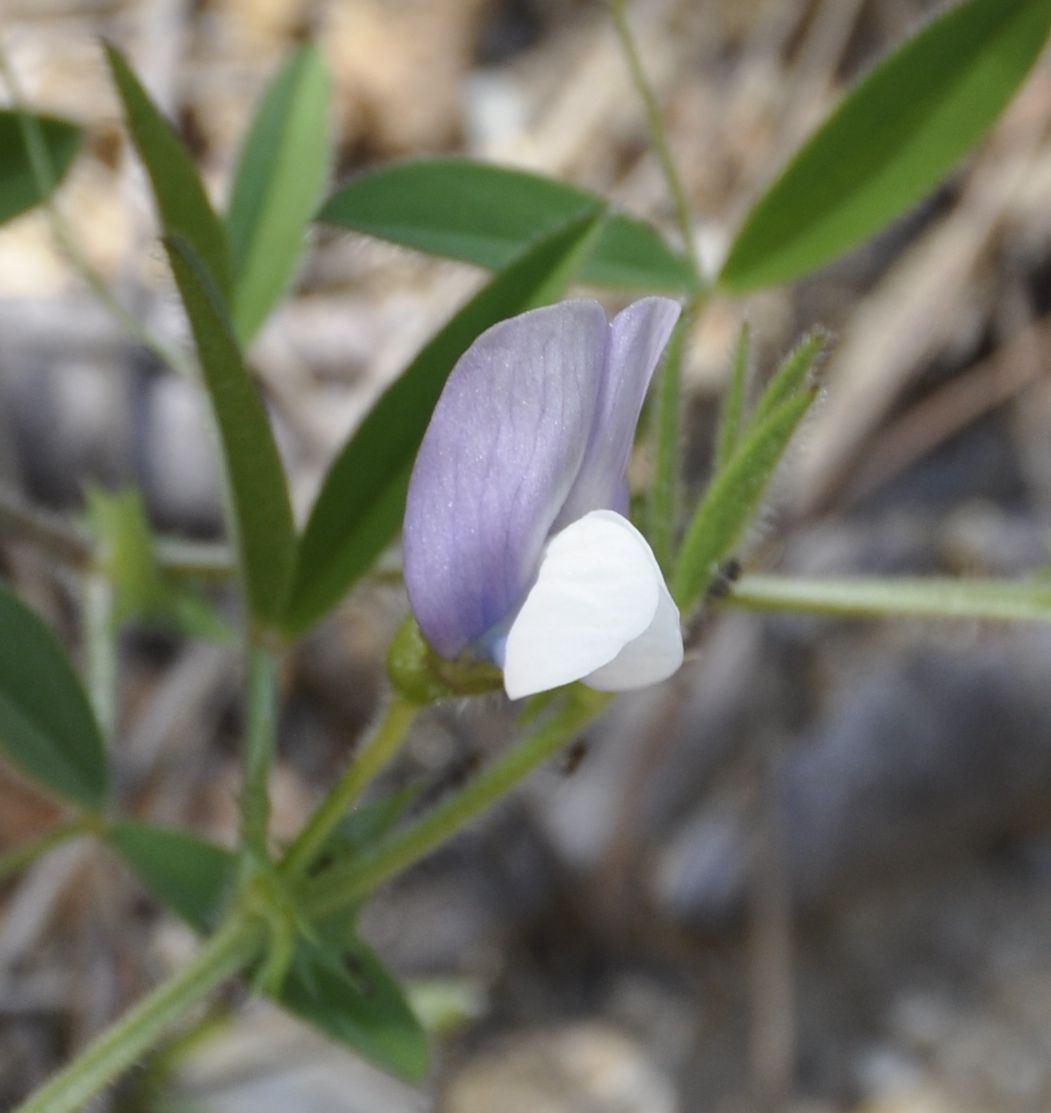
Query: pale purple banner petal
(501,453)
(639,335)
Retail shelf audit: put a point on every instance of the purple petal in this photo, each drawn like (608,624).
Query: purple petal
(639,335)
(502,450)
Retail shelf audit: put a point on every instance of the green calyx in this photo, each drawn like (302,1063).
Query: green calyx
(420,675)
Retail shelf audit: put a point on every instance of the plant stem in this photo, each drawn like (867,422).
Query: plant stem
(658,136)
(342,885)
(664,493)
(241,941)
(364,768)
(67,541)
(101,650)
(14,861)
(198,560)
(48,531)
(146,1088)
(230,950)
(45,180)
(869,597)
(667,477)
(260,721)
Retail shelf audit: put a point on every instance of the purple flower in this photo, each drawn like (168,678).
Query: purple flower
(516,544)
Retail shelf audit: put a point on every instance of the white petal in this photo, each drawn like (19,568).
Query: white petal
(653,656)
(598,589)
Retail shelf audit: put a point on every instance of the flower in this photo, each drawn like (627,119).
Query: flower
(516,543)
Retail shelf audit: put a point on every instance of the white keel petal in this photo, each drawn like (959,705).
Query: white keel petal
(599,589)
(652,657)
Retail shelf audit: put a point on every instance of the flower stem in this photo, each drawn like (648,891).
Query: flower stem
(16,860)
(260,721)
(870,597)
(230,950)
(364,768)
(342,885)
(658,136)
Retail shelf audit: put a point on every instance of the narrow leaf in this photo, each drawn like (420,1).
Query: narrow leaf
(20,180)
(794,374)
(871,597)
(362,500)
(190,876)
(731,416)
(279,178)
(47,727)
(142,591)
(182,202)
(901,130)
(262,513)
(119,523)
(732,499)
(488,215)
(350,996)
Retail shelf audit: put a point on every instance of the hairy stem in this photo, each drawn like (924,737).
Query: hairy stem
(342,885)
(665,491)
(364,768)
(870,597)
(229,951)
(658,136)
(260,723)
(242,941)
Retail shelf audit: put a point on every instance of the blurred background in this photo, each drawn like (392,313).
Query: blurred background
(813,872)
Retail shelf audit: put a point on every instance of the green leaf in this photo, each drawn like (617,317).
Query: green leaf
(747,454)
(362,499)
(350,996)
(732,413)
(279,178)
(47,727)
(795,373)
(141,590)
(335,983)
(901,130)
(732,499)
(488,215)
(20,182)
(182,202)
(872,597)
(119,523)
(191,876)
(262,513)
